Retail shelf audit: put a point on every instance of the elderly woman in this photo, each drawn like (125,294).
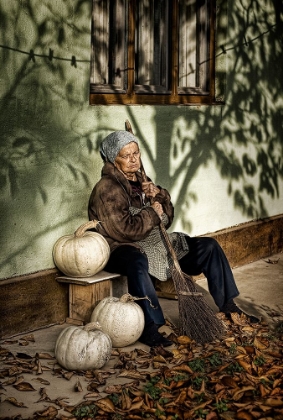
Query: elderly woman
(130,211)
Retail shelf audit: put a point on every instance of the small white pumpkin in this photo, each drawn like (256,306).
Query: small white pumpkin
(83,348)
(82,254)
(122,319)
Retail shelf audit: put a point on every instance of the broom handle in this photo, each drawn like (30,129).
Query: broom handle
(163,230)
(162,227)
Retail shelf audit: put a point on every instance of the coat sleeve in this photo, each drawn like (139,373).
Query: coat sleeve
(164,198)
(109,203)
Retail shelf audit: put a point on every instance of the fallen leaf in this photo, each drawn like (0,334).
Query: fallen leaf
(239,319)
(126,401)
(92,387)
(10,381)
(137,405)
(159,350)
(62,417)
(23,342)
(19,380)
(182,368)
(273,370)
(60,401)
(42,381)
(136,392)
(45,368)
(78,386)
(259,344)
(68,375)
(24,356)
(245,365)
(15,402)
(276,391)
(24,386)
(38,368)
(106,405)
(132,374)
(211,416)
(156,365)
(240,356)
(248,328)
(274,402)
(184,339)
(238,394)
(44,356)
(277,382)
(177,353)
(92,395)
(99,376)
(263,390)
(159,358)
(181,397)
(143,365)
(229,382)
(43,395)
(244,415)
(241,349)
(275,354)
(250,349)
(50,413)
(229,339)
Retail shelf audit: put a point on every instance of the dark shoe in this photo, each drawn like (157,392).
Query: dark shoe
(152,338)
(231,307)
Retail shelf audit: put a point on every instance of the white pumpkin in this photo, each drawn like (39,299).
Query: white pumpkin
(83,348)
(82,254)
(122,319)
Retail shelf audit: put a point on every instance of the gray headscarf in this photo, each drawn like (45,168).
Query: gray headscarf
(114,142)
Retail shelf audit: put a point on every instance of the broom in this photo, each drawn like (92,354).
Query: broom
(196,318)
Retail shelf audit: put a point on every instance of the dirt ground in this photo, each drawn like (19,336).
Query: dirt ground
(34,386)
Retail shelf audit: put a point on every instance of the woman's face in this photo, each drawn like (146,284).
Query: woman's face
(128,159)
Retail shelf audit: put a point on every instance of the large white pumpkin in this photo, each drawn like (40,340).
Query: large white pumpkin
(82,254)
(83,348)
(122,319)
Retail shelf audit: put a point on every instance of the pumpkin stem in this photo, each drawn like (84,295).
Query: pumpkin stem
(88,225)
(92,326)
(129,298)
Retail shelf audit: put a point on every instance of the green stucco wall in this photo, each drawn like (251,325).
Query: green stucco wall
(222,164)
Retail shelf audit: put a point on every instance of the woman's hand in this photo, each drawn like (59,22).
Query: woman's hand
(150,189)
(158,208)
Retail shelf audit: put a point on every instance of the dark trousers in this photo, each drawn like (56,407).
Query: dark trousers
(205,256)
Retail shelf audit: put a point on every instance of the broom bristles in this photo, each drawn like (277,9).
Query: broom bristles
(197,319)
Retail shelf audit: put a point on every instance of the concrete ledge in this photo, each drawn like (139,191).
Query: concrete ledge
(37,300)
(31,302)
(242,245)
(251,241)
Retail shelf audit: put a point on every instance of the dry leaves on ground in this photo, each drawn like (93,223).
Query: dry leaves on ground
(238,377)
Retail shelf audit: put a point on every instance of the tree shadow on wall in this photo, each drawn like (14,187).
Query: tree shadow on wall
(243,138)
(42,173)
(248,146)
(39,89)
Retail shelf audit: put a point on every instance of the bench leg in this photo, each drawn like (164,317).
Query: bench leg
(82,299)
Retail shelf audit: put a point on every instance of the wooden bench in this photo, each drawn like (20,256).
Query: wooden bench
(86,292)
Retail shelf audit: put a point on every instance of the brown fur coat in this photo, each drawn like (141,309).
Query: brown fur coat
(110,201)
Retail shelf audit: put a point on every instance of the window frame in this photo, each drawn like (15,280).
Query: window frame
(190,96)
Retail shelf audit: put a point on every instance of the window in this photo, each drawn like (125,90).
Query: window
(152,52)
